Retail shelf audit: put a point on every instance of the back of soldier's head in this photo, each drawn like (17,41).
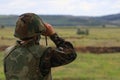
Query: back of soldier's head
(29,25)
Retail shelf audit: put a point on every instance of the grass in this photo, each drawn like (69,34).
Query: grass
(1,67)
(90,67)
(97,37)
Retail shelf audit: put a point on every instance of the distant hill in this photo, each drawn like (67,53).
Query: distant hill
(68,20)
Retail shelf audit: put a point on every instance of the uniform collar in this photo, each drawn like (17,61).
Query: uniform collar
(28,42)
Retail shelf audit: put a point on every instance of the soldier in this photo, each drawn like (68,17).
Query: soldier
(28,60)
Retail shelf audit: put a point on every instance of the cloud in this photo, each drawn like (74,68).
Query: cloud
(96,7)
(54,7)
(16,6)
(70,7)
(21,4)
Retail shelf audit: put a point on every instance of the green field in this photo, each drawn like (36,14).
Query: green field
(97,37)
(91,67)
(87,66)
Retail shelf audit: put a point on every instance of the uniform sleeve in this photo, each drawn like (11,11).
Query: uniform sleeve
(64,53)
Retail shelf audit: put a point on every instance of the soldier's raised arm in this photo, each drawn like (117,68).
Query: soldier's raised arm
(64,52)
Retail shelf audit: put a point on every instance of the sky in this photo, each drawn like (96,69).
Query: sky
(60,7)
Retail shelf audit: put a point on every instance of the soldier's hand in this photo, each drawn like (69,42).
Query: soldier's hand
(49,30)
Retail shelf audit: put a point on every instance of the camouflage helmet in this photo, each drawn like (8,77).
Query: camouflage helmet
(29,25)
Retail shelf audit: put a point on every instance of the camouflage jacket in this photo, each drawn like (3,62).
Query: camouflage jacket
(34,62)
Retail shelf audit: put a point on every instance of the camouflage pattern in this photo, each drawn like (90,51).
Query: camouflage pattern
(29,25)
(22,62)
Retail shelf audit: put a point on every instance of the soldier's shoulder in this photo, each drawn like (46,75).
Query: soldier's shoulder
(8,50)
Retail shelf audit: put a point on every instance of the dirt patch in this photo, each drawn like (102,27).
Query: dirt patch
(90,49)
(2,48)
(98,49)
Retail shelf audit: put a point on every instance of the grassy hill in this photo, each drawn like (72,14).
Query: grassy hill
(68,20)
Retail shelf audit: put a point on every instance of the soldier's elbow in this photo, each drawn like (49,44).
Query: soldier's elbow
(74,56)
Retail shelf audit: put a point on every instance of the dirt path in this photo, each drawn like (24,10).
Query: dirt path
(2,48)
(91,49)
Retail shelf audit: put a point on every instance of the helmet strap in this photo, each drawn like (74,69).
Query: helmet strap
(46,40)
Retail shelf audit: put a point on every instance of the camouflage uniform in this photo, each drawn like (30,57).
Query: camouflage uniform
(31,61)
